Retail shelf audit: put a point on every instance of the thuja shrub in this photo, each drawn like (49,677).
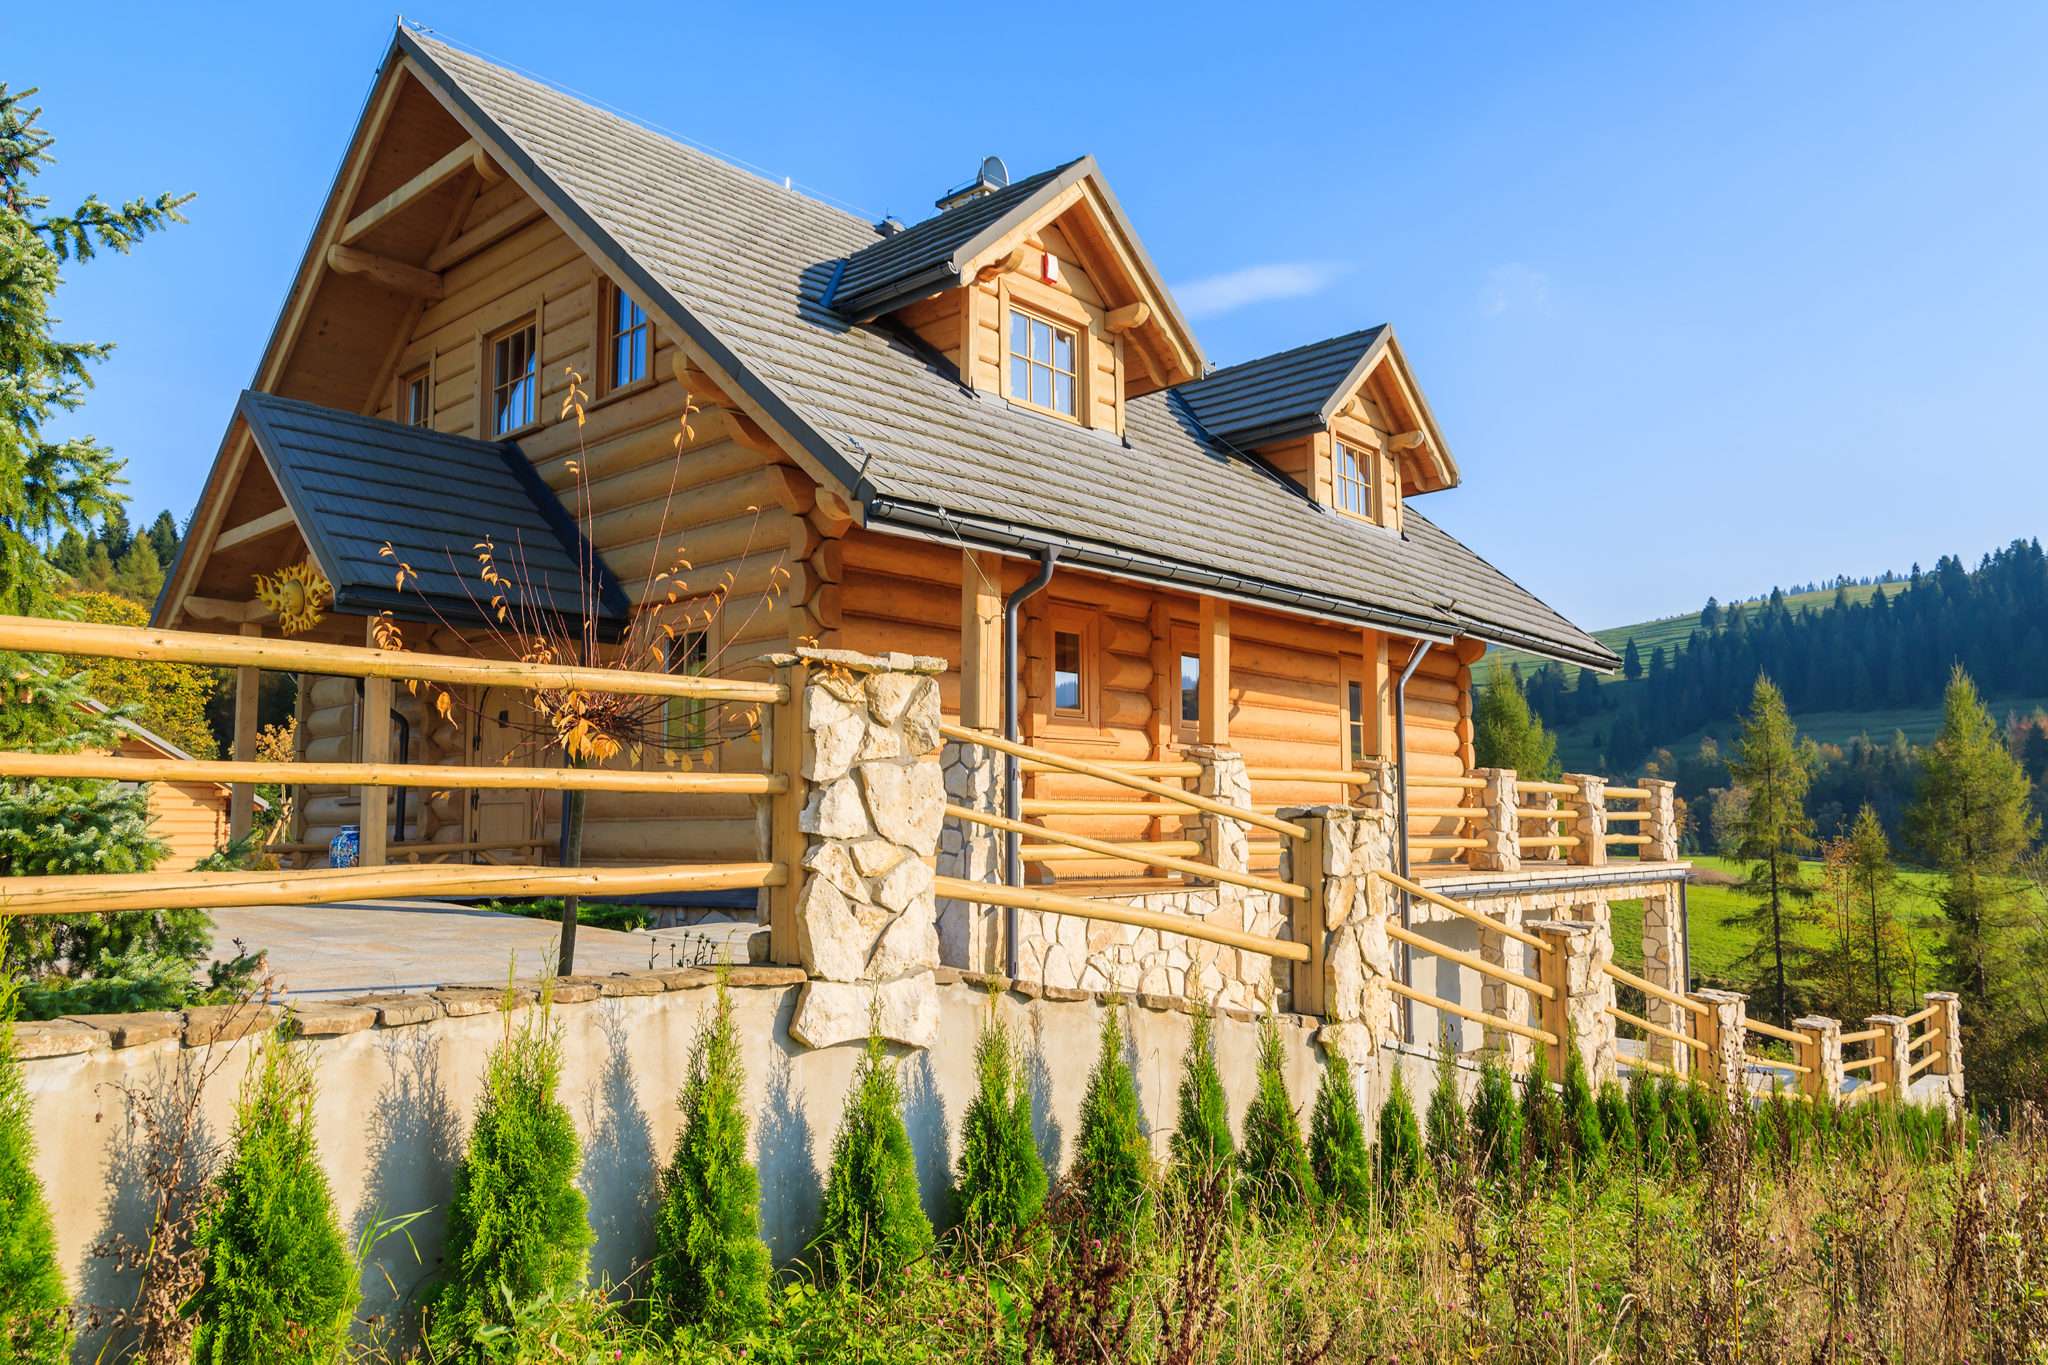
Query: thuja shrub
(1543,1132)
(1653,1135)
(1497,1119)
(872,1224)
(1617,1121)
(1582,1130)
(1678,1129)
(1447,1128)
(279,1282)
(1337,1154)
(1001,1182)
(518,1230)
(1399,1152)
(710,1265)
(1201,1145)
(1274,1171)
(1112,1168)
(35,1321)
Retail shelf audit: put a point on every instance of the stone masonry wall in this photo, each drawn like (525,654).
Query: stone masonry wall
(1090,955)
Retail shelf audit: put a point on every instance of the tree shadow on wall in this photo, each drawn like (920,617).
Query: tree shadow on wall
(788,1164)
(931,1139)
(413,1143)
(1045,1129)
(619,1163)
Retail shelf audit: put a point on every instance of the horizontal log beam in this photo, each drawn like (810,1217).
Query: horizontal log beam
(326,886)
(34,635)
(499,225)
(1436,1002)
(411,192)
(105,767)
(1114,912)
(1136,853)
(1470,961)
(1061,853)
(255,529)
(1479,917)
(406,279)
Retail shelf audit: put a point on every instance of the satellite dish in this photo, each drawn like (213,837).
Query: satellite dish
(994,172)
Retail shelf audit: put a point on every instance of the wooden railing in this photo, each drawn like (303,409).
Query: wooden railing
(106,893)
(1404,987)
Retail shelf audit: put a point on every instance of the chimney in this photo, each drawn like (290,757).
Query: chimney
(992,176)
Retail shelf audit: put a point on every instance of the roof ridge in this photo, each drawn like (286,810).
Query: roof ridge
(1356,334)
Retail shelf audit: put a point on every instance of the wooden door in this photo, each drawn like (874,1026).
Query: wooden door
(501,816)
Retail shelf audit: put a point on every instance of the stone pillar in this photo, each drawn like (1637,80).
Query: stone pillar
(1498,997)
(1583,993)
(1890,1051)
(1545,853)
(1499,826)
(1947,1038)
(1664,965)
(971,935)
(1662,826)
(1822,1056)
(1588,806)
(873,803)
(1721,1029)
(1224,842)
(1360,1009)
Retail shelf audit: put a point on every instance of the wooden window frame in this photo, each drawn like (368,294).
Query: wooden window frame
(1063,311)
(1184,642)
(1366,481)
(692,715)
(608,295)
(1086,722)
(401,405)
(1076,350)
(491,385)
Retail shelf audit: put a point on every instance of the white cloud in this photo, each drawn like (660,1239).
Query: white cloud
(1514,287)
(1234,289)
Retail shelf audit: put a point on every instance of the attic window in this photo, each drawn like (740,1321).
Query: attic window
(1042,364)
(515,375)
(1351,481)
(416,399)
(631,337)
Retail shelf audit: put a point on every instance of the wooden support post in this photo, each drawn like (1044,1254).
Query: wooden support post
(1308,859)
(1214,725)
(1821,1055)
(242,796)
(374,803)
(981,640)
(1575,969)
(785,748)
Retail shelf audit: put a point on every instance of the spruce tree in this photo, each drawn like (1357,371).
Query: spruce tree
(1002,1180)
(710,1264)
(1274,1166)
(1202,1147)
(35,1317)
(1772,831)
(1112,1160)
(280,1284)
(1497,1120)
(1447,1128)
(1337,1154)
(1505,734)
(872,1225)
(517,1225)
(49,486)
(1399,1152)
(1972,822)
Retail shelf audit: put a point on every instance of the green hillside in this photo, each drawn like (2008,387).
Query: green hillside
(1671,631)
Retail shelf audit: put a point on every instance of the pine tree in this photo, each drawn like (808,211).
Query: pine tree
(1449,1131)
(1202,1147)
(1274,1169)
(280,1284)
(1972,822)
(1506,735)
(517,1225)
(1399,1151)
(1112,1160)
(35,1317)
(710,1264)
(873,1223)
(1337,1154)
(1773,830)
(1497,1120)
(1583,1133)
(1002,1179)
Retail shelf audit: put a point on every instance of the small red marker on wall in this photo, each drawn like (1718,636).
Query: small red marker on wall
(1050,270)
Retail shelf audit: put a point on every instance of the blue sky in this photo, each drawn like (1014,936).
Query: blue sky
(1704,297)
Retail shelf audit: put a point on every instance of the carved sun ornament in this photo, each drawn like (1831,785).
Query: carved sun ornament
(297,593)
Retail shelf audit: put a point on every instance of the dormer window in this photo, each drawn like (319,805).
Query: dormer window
(1042,366)
(1351,480)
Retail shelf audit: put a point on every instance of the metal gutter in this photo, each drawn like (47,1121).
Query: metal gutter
(1013,768)
(1415,659)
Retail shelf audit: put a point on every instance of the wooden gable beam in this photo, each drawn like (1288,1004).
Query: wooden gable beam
(264,525)
(406,279)
(411,192)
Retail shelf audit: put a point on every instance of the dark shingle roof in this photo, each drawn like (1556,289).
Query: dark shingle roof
(741,266)
(910,261)
(355,484)
(1278,395)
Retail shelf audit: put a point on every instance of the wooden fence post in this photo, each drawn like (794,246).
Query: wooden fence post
(1307,861)
(1821,1054)
(242,795)
(1575,969)
(1589,818)
(785,750)
(1721,1028)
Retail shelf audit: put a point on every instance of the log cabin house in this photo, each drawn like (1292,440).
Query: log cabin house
(902,430)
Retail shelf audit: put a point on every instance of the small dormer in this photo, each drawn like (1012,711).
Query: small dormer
(1037,291)
(1343,419)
